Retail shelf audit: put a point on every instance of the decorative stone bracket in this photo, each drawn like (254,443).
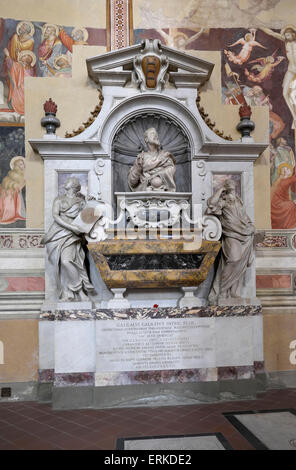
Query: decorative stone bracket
(159,211)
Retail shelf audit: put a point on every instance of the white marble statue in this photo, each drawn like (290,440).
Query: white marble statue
(153,170)
(237,242)
(64,245)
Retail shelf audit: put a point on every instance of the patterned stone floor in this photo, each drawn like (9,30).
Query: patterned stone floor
(32,425)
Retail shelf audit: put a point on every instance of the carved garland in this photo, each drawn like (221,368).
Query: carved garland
(208,121)
(90,120)
(98,108)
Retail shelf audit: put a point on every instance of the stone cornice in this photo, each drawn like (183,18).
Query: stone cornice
(67,149)
(118,67)
(231,151)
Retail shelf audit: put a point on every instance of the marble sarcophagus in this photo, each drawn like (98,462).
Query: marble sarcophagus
(153,263)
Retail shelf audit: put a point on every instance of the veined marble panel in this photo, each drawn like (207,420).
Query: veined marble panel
(153,278)
(236,373)
(84,379)
(154,312)
(46,375)
(156,376)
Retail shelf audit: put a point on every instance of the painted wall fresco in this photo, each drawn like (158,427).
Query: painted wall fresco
(36,49)
(212,13)
(28,49)
(12,177)
(257,68)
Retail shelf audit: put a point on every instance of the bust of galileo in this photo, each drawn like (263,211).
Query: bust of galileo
(153,170)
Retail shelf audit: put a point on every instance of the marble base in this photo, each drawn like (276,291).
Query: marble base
(74,305)
(118,300)
(20,391)
(153,395)
(160,355)
(124,340)
(238,301)
(189,299)
(49,306)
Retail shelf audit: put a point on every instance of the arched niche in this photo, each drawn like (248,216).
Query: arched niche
(129,141)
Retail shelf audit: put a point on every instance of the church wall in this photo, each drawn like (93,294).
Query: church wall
(67,16)
(20,341)
(22,258)
(89,13)
(279,342)
(75,103)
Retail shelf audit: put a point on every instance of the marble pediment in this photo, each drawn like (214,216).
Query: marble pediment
(139,85)
(149,66)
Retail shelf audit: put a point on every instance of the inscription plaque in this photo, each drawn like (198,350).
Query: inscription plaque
(138,345)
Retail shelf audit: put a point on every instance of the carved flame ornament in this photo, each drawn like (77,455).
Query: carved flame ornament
(50,121)
(50,107)
(245,111)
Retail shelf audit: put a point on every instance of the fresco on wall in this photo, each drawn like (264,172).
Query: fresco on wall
(255,75)
(256,69)
(35,49)
(212,13)
(12,177)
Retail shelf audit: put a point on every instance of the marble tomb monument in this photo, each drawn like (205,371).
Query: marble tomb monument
(150,273)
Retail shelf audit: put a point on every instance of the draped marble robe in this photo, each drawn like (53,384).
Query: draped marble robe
(148,167)
(237,246)
(66,253)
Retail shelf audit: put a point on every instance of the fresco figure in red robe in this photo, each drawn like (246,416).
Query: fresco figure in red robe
(12,207)
(79,37)
(283,208)
(17,71)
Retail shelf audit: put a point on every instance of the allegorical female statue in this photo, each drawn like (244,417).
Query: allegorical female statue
(237,242)
(64,245)
(153,170)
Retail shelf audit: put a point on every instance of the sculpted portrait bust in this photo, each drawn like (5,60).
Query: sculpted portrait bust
(153,170)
